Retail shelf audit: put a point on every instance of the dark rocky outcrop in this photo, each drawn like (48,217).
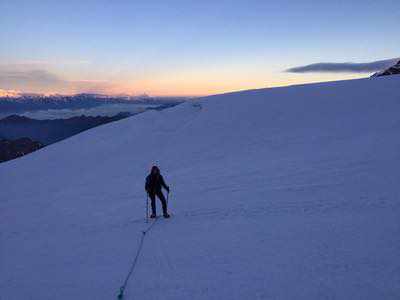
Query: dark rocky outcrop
(390,71)
(10,149)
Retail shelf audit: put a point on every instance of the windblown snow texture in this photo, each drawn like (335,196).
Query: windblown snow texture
(283,193)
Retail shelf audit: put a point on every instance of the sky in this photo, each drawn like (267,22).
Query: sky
(190,48)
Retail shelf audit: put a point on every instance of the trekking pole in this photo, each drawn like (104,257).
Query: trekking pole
(147,208)
(167,199)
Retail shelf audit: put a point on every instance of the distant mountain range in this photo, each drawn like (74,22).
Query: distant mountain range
(50,131)
(33,102)
(20,135)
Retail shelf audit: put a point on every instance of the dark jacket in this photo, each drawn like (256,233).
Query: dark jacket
(154,183)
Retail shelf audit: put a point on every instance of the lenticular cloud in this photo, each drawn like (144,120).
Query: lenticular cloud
(347,67)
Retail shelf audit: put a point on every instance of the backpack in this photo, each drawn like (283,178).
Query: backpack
(148,182)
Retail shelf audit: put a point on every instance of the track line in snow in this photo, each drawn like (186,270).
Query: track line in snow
(137,255)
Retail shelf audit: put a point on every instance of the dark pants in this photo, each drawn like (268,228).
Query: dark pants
(160,196)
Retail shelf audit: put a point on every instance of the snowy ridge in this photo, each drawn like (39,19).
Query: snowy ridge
(284,193)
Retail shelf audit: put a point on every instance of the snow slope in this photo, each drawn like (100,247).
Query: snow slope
(283,193)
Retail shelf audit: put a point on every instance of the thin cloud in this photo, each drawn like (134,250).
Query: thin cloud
(348,67)
(37,63)
(91,86)
(43,81)
(32,80)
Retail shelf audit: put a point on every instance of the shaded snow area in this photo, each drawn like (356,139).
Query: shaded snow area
(283,193)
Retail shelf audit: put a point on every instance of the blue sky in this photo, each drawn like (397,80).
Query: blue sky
(186,47)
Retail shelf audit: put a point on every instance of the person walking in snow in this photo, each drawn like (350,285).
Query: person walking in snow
(154,184)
